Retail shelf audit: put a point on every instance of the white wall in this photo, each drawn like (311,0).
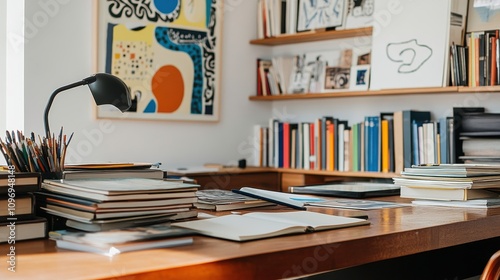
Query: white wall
(3,68)
(59,52)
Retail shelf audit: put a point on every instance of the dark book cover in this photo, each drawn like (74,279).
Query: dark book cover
(458,116)
(409,116)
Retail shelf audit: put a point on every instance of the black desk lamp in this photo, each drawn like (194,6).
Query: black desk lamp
(106,89)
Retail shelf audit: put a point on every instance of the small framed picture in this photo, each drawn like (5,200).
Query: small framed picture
(320,14)
(337,78)
(360,77)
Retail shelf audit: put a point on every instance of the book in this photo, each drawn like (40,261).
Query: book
(295,201)
(111,250)
(174,198)
(97,214)
(252,226)
(23,230)
(120,223)
(471,203)
(358,204)
(23,182)
(480,122)
(117,188)
(435,193)
(117,241)
(21,207)
(348,189)
(149,173)
(223,200)
(453,170)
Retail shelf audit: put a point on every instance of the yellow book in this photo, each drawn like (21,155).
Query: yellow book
(330,156)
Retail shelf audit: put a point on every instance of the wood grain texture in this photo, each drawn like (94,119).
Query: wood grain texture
(392,233)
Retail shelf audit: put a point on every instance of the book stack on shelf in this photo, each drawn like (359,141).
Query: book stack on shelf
(480,138)
(467,185)
(224,200)
(103,204)
(17,207)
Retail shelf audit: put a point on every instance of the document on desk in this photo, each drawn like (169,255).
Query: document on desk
(300,202)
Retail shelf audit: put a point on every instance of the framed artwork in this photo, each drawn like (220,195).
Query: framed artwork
(360,77)
(167,52)
(337,78)
(320,14)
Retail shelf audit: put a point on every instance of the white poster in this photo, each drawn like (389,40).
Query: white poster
(409,50)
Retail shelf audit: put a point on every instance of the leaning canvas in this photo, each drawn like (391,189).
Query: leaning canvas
(409,51)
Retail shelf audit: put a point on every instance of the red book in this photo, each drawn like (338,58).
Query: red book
(286,145)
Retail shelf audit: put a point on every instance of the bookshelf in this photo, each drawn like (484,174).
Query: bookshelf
(312,36)
(385,92)
(291,176)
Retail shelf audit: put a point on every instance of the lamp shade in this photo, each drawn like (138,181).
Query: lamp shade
(108,89)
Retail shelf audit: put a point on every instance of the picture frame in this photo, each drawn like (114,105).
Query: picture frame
(320,14)
(167,52)
(360,77)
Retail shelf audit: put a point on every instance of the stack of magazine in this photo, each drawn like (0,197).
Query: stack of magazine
(104,204)
(118,241)
(463,185)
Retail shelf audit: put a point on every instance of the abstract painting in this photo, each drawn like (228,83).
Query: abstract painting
(315,14)
(167,52)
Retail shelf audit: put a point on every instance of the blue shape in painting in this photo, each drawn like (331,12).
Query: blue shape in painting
(208,13)
(151,108)
(166,6)
(195,53)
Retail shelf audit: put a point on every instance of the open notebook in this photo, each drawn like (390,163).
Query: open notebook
(259,225)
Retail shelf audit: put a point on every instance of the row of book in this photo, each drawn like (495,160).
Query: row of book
(476,63)
(388,142)
(278,17)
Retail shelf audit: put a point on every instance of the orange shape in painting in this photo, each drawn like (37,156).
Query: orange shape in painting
(168,87)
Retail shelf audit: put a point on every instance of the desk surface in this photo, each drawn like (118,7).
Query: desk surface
(392,233)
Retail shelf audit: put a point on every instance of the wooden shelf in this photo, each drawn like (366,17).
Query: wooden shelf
(403,91)
(383,175)
(312,36)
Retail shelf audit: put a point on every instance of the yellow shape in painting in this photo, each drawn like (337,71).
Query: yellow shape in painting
(122,33)
(193,14)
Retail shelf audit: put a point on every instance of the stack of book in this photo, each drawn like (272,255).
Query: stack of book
(17,216)
(463,184)
(104,204)
(480,138)
(224,200)
(118,241)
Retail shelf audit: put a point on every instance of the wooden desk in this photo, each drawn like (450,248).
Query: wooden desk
(393,233)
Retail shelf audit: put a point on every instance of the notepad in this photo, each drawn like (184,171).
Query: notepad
(256,225)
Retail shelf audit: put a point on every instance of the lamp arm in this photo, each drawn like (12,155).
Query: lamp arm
(51,99)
